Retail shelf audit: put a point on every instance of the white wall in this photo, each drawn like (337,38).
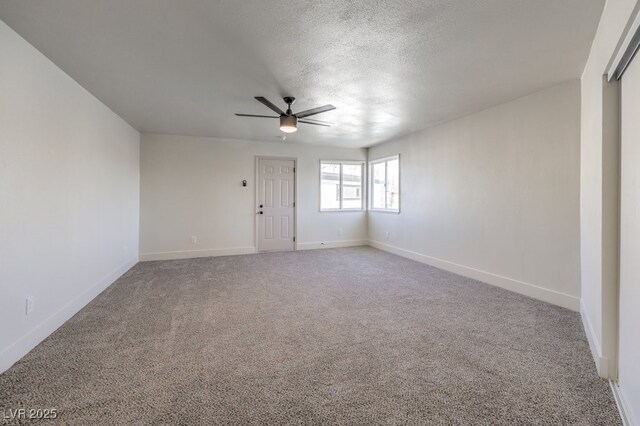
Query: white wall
(599,189)
(494,196)
(191,186)
(69,195)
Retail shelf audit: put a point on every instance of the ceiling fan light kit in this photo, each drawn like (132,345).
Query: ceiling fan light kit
(288,120)
(288,123)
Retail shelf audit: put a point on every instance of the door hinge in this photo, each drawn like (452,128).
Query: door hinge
(294,204)
(294,239)
(294,170)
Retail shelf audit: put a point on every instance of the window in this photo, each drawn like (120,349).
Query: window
(341,185)
(385,184)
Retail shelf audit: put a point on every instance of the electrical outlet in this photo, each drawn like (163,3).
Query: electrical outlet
(29,305)
(340,231)
(194,239)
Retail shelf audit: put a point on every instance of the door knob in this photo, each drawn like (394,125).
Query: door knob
(261,212)
(260,205)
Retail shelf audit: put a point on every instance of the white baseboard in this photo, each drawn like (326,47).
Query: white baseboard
(531,290)
(623,408)
(187,254)
(602,364)
(22,346)
(331,244)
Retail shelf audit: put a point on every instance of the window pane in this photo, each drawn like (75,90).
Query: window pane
(393,184)
(377,186)
(330,186)
(352,186)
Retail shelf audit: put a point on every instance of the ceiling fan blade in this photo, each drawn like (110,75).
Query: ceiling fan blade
(253,115)
(314,111)
(319,121)
(311,122)
(269,105)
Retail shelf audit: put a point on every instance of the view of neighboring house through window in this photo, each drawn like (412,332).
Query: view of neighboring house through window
(385,184)
(341,185)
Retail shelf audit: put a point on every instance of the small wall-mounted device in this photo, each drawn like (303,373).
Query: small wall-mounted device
(244,182)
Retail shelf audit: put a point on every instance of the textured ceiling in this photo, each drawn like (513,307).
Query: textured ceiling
(390,67)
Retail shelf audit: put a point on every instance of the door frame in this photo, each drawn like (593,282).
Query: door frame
(295,198)
(612,198)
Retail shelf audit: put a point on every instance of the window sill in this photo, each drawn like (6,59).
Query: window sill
(385,211)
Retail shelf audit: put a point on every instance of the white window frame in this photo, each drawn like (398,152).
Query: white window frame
(370,181)
(363,182)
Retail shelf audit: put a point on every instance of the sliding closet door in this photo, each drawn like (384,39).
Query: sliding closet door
(629,349)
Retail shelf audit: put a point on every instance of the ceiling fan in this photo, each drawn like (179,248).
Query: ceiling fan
(288,120)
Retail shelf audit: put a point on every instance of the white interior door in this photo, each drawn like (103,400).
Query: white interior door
(275,209)
(629,320)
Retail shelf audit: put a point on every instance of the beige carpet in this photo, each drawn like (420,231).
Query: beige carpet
(340,336)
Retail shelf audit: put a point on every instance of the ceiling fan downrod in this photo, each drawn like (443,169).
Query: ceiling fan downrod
(289,100)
